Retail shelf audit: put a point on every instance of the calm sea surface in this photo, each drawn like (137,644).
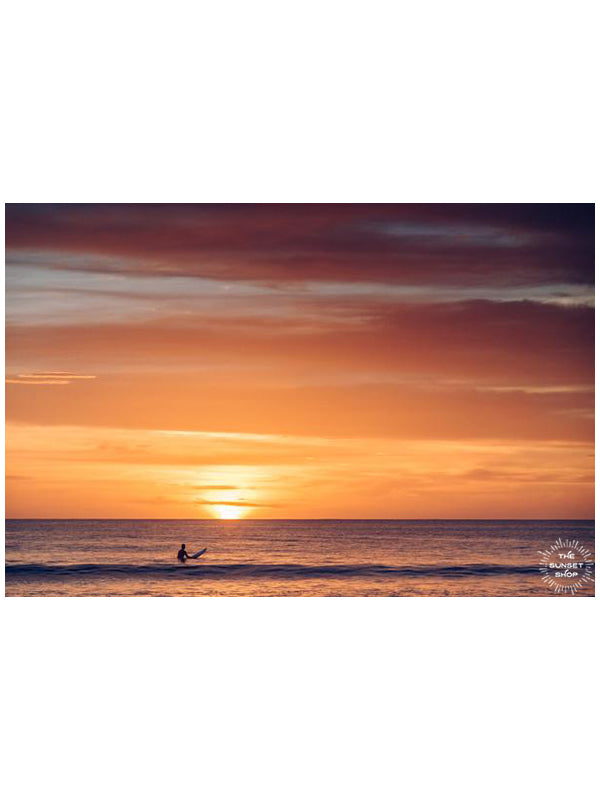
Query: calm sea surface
(284,557)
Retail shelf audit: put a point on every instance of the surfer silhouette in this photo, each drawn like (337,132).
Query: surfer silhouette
(183,554)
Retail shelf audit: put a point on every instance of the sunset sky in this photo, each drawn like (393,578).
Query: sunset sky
(193,361)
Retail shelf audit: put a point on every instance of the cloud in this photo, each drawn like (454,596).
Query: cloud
(216,487)
(532,476)
(47,378)
(352,410)
(423,244)
(37,382)
(58,375)
(467,369)
(239,503)
(462,340)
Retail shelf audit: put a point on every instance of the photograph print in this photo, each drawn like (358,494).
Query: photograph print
(388,400)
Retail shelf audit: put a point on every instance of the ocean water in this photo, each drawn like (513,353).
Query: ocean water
(348,558)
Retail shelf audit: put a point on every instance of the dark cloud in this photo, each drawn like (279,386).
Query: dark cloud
(445,245)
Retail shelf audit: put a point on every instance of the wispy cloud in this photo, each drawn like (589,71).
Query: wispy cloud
(63,375)
(239,503)
(47,378)
(215,487)
(37,382)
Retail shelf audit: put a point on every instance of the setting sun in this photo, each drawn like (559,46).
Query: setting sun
(228,512)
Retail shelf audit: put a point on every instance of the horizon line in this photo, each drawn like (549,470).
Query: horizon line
(306,519)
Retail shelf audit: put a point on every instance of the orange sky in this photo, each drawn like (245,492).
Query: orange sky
(299,361)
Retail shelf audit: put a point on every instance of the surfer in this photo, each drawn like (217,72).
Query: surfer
(183,554)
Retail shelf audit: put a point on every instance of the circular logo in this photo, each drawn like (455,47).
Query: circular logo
(566,566)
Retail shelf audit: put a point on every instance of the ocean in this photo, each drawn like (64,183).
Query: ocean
(258,558)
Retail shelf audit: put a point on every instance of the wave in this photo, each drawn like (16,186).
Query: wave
(255,571)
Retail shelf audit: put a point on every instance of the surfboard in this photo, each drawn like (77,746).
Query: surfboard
(199,553)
